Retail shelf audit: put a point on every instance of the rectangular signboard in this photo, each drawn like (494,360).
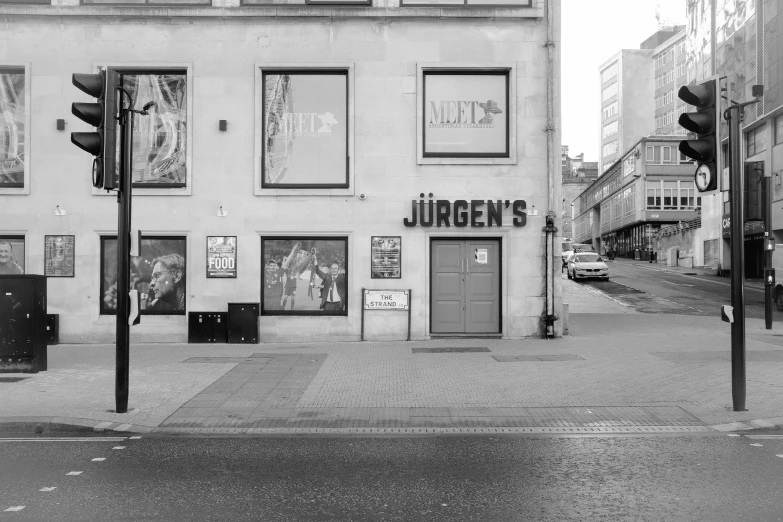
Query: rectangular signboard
(385,300)
(386,260)
(221,256)
(59,256)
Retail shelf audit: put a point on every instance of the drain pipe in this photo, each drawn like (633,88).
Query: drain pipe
(550,230)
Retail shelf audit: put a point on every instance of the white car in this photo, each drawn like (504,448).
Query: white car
(587,264)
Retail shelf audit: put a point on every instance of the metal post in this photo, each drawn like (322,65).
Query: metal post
(410,299)
(123,261)
(362,314)
(737,261)
(768,289)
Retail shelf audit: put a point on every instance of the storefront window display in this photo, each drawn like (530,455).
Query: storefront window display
(305,129)
(11,255)
(304,276)
(158,274)
(159,139)
(12,127)
(466,114)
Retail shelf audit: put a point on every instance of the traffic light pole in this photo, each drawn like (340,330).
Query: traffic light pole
(123,260)
(733,114)
(768,288)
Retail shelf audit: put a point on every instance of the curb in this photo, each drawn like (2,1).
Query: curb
(44,425)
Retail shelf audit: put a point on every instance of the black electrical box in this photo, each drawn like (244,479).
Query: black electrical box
(207,327)
(52,328)
(243,323)
(22,323)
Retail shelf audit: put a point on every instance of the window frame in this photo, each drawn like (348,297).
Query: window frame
(777,126)
(260,69)
(104,311)
(149,68)
(25,188)
(508,69)
(145,3)
(305,237)
(348,122)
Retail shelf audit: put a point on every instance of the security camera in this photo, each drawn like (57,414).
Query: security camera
(362,196)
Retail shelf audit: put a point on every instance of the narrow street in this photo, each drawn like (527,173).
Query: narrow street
(706,477)
(647,288)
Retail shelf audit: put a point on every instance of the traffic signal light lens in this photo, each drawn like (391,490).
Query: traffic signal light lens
(91,84)
(700,150)
(699,95)
(698,122)
(88,142)
(91,113)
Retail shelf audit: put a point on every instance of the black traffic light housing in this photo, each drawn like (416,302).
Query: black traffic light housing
(705,124)
(102,114)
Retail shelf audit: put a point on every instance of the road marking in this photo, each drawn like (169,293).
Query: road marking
(99,459)
(700,278)
(74,473)
(134,438)
(15,508)
(733,435)
(676,284)
(781,456)
(118,447)
(51,488)
(764,436)
(756,444)
(63,439)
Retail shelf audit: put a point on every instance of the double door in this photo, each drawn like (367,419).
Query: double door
(465,293)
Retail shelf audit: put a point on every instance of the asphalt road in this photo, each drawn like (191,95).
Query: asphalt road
(707,477)
(652,290)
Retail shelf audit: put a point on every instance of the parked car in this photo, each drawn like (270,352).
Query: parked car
(582,265)
(582,247)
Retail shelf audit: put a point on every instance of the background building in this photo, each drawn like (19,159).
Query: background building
(403,145)
(670,64)
(575,179)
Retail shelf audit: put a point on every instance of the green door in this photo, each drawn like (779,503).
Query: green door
(465,295)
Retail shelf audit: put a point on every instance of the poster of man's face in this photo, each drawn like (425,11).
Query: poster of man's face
(11,255)
(305,276)
(158,274)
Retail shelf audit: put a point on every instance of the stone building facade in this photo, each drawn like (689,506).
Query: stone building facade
(397,146)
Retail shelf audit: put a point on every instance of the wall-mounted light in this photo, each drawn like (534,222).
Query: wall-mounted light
(533,211)
(59,211)
(223,125)
(221,212)
(61,125)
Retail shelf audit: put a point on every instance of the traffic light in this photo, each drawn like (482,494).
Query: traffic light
(102,143)
(705,124)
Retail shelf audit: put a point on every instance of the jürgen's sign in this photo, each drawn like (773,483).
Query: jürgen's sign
(463,213)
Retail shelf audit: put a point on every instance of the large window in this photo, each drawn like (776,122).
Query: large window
(158,274)
(11,255)
(661,154)
(756,141)
(609,92)
(610,148)
(305,129)
(669,195)
(466,114)
(610,129)
(304,276)
(778,130)
(468,3)
(609,73)
(12,127)
(609,111)
(159,139)
(653,195)
(687,193)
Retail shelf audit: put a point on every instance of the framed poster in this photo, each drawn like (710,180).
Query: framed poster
(304,275)
(158,274)
(386,255)
(221,256)
(11,255)
(12,127)
(305,129)
(466,114)
(59,256)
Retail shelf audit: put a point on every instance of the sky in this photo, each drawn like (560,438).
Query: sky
(592,32)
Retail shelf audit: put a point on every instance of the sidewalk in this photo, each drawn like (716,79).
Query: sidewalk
(617,371)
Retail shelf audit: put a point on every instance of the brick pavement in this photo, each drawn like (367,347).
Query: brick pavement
(616,372)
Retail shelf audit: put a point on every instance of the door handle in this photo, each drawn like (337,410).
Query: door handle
(467,266)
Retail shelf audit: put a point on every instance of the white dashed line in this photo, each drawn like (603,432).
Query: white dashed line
(63,439)
(118,447)
(733,435)
(756,444)
(781,456)
(52,488)
(74,473)
(134,438)
(15,508)
(99,459)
